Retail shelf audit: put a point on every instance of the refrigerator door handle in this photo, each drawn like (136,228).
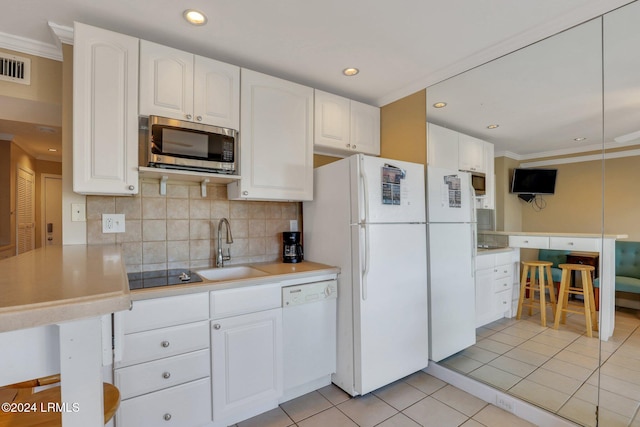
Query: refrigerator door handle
(364,214)
(365,268)
(474,249)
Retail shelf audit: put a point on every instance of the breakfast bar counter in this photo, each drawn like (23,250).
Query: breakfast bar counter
(61,283)
(604,245)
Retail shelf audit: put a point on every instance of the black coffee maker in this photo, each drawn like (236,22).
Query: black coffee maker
(291,247)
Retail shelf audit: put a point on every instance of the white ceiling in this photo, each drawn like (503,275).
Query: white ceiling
(400,47)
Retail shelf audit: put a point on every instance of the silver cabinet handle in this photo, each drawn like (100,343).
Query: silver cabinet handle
(131,187)
(570,243)
(348,145)
(189,116)
(199,118)
(216,326)
(166,375)
(245,193)
(353,147)
(167,417)
(165,344)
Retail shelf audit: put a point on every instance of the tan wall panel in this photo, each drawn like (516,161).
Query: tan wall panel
(321,160)
(403,129)
(46,77)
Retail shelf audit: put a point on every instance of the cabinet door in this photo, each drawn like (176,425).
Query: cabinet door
(485,297)
(166,81)
(276,157)
(470,153)
(332,121)
(365,128)
(246,356)
(216,93)
(442,146)
(105,105)
(489,200)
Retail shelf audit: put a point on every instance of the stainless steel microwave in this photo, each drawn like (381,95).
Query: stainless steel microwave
(479,183)
(176,144)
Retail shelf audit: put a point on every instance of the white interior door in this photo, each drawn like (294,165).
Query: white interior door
(51,208)
(25,208)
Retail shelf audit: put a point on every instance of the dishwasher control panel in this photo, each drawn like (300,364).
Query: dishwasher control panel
(309,292)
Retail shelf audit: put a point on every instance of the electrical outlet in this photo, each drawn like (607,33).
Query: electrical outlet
(293,225)
(113,223)
(506,403)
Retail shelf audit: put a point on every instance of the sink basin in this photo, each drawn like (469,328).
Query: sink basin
(230,273)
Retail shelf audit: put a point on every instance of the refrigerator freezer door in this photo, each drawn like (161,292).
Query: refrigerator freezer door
(451,288)
(390,303)
(389,191)
(450,196)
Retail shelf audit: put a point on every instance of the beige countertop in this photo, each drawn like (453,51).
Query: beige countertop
(275,272)
(60,283)
(489,251)
(550,234)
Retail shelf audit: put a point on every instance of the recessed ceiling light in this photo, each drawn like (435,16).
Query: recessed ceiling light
(194,17)
(350,71)
(493,126)
(440,104)
(53,150)
(579,139)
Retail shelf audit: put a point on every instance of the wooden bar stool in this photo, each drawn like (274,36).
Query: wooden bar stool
(589,305)
(23,394)
(539,281)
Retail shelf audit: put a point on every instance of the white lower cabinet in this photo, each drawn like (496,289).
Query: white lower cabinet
(186,405)
(495,280)
(206,359)
(246,354)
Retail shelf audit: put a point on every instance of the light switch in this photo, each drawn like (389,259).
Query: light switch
(78,212)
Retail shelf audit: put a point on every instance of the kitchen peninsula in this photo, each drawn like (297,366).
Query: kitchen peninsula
(603,244)
(53,300)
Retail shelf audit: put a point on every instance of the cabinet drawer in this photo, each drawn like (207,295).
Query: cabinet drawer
(504,258)
(186,405)
(575,244)
(232,302)
(503,271)
(540,242)
(503,300)
(160,374)
(152,345)
(168,311)
(484,261)
(502,284)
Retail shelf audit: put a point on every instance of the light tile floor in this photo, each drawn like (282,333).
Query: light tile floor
(417,400)
(558,369)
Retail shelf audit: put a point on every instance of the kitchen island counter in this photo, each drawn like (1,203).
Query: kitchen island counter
(61,283)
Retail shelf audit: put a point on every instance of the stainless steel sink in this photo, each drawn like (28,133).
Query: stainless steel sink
(230,273)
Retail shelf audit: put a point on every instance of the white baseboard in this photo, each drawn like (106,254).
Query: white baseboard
(522,409)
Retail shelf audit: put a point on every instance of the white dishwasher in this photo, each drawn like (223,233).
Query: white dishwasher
(309,334)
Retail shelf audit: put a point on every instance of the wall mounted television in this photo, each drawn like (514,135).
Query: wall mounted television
(534,181)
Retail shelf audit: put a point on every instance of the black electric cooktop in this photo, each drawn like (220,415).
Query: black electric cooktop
(154,279)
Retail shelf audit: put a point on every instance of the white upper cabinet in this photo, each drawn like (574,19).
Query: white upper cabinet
(343,126)
(105,112)
(276,136)
(365,128)
(184,86)
(442,147)
(488,201)
(471,154)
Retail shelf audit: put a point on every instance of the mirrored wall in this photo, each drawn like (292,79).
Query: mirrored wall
(570,102)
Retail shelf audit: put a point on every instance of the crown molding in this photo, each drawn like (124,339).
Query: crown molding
(62,33)
(30,47)
(509,154)
(579,159)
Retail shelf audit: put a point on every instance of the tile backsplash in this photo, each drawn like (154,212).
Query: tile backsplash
(179,230)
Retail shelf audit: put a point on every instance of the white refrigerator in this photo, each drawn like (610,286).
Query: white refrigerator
(368,218)
(452,252)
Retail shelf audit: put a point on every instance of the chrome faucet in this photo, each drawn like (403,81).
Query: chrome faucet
(220,259)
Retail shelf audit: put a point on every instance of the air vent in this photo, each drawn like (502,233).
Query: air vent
(15,69)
